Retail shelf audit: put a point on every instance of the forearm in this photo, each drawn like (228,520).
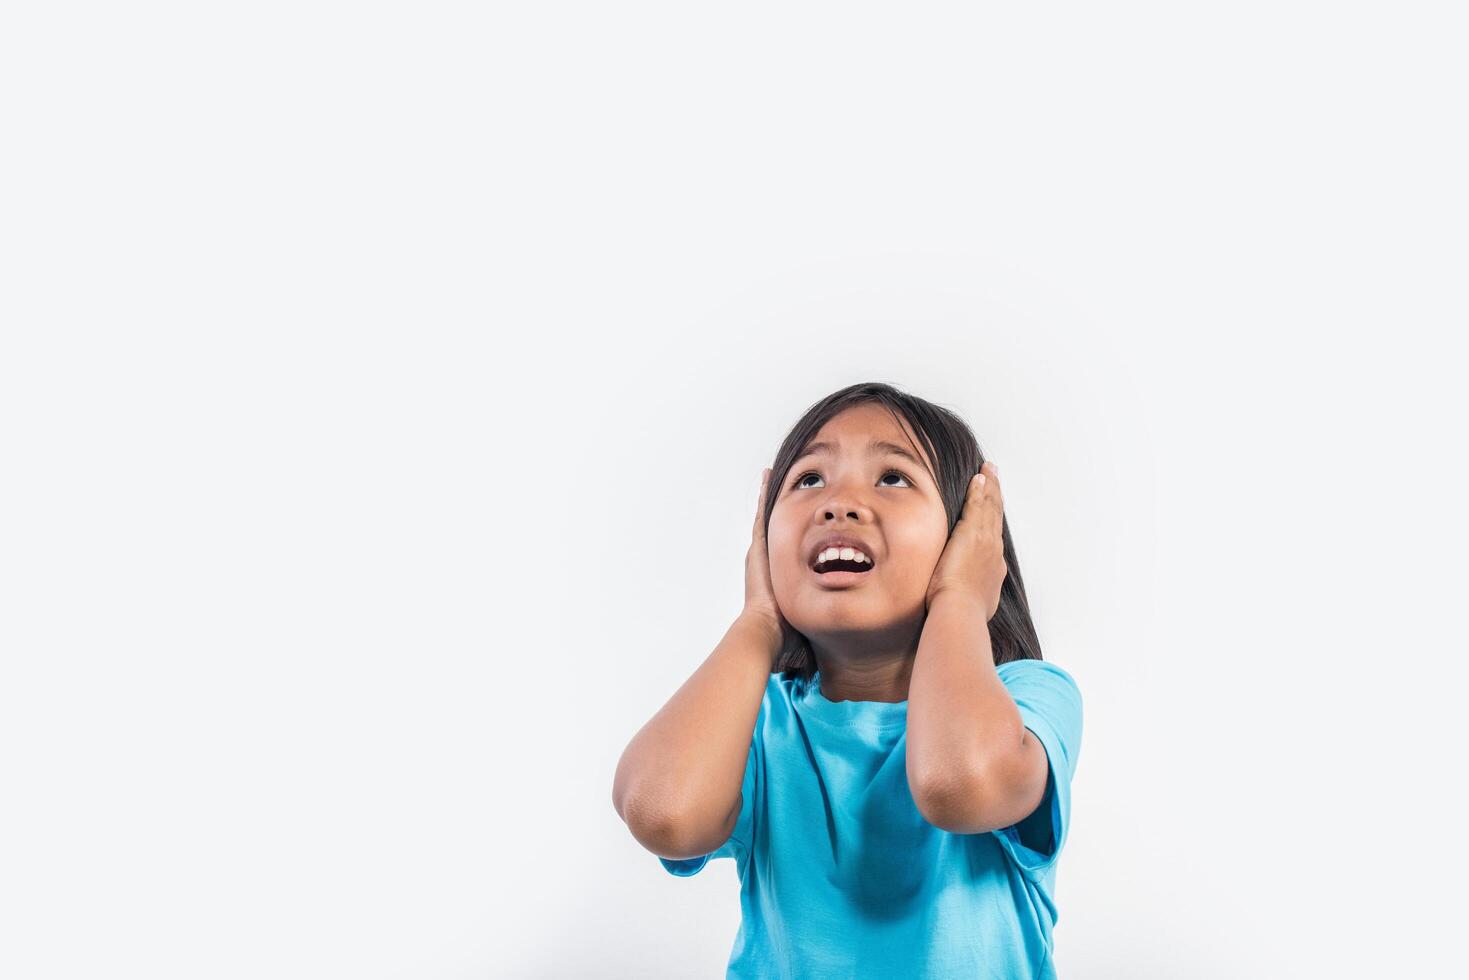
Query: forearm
(962,722)
(678,782)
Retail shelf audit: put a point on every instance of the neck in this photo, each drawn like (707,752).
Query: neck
(865,668)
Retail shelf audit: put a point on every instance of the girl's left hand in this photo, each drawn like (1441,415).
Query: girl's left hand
(973,561)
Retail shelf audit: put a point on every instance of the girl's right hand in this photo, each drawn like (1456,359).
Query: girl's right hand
(759,594)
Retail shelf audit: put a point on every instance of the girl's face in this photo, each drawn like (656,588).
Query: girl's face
(885,503)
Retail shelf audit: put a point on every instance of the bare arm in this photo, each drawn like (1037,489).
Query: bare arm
(678,782)
(972,766)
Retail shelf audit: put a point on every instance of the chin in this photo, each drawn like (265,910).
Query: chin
(834,610)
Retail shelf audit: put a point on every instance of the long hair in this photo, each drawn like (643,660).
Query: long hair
(955,452)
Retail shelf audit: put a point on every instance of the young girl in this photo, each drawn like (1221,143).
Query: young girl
(876,740)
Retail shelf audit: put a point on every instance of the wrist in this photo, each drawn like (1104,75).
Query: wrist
(962,602)
(763,627)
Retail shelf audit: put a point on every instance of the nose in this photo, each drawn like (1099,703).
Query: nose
(843,498)
(846,504)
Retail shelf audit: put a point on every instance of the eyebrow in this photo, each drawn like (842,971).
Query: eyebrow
(875,447)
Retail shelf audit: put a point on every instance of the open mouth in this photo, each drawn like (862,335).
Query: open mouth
(841,565)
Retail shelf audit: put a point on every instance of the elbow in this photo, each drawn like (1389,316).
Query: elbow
(651,825)
(668,819)
(961,802)
(678,842)
(674,835)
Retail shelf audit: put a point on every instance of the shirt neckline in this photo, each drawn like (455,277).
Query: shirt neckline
(882,715)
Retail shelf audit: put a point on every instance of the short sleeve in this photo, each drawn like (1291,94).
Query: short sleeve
(1050,706)
(743,835)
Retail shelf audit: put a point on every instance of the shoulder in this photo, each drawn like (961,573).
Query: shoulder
(1045,694)
(1038,675)
(776,702)
(783,689)
(779,704)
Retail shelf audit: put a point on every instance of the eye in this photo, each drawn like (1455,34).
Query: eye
(800,479)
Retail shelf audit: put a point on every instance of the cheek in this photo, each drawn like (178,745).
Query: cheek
(913,561)
(783,545)
(908,573)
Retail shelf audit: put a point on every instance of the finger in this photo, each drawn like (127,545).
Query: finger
(991,480)
(984,500)
(760,507)
(972,495)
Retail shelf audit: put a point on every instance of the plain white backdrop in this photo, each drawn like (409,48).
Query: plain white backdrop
(384,391)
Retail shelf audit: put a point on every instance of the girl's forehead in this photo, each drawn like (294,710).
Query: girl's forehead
(862,420)
(861,432)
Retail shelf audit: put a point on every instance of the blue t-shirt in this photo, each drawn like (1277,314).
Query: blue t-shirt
(841,876)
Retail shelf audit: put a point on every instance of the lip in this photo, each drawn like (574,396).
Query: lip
(840,580)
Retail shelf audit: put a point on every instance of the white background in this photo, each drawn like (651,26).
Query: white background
(384,391)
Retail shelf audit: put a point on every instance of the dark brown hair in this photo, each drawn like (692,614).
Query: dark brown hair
(956,455)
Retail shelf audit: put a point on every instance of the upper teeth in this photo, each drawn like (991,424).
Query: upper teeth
(847,554)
